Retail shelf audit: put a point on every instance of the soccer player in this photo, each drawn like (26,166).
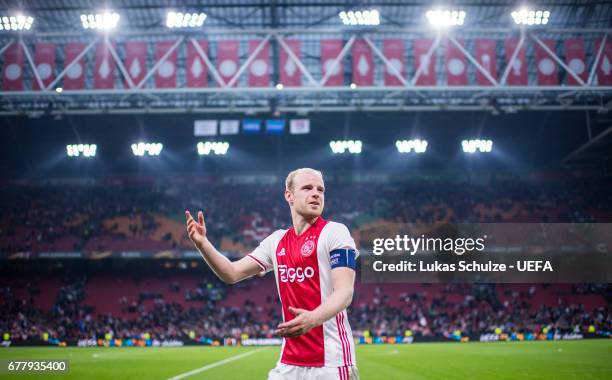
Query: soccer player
(314,266)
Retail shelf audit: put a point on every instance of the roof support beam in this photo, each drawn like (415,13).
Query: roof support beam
(74,62)
(250,59)
(296,60)
(160,62)
(513,58)
(556,58)
(470,58)
(211,67)
(589,143)
(392,69)
(425,60)
(26,51)
(336,61)
(122,69)
(597,58)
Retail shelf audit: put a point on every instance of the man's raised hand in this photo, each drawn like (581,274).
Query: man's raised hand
(196,230)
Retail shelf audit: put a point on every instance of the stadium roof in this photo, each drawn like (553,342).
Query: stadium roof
(138,15)
(309,21)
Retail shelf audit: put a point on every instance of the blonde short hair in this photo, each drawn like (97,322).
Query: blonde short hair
(291,176)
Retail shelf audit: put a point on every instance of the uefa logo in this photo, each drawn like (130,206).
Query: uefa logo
(307,248)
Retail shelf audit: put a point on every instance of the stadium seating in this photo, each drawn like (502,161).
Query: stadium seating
(126,216)
(163,304)
(174,302)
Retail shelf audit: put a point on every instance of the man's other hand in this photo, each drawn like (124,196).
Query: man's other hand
(196,230)
(304,321)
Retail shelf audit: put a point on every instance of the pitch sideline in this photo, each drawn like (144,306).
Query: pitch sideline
(216,364)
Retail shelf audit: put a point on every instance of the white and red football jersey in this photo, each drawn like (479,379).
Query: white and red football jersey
(302,266)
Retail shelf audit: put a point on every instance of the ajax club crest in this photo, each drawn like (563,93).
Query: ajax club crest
(307,248)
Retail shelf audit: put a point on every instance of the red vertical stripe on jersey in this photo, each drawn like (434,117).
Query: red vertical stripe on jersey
(341,340)
(348,344)
(348,347)
(299,286)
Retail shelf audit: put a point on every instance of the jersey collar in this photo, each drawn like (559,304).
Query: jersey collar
(317,221)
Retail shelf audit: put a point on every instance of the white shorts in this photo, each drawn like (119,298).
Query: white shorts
(294,372)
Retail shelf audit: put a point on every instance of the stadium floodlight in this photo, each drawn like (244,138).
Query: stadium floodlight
(218,148)
(150,149)
(362,17)
(343,146)
(408,146)
(103,21)
(445,17)
(16,22)
(81,150)
(528,17)
(473,146)
(185,20)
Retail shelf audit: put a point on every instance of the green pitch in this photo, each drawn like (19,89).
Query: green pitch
(444,361)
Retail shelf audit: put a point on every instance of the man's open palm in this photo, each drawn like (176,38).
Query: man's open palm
(196,230)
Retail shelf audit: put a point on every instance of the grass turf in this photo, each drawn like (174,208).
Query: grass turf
(582,360)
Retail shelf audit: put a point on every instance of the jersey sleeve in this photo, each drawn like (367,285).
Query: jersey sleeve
(263,254)
(341,247)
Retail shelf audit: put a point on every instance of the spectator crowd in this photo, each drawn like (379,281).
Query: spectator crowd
(68,216)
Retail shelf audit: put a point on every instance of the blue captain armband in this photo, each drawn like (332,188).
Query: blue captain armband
(344,257)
